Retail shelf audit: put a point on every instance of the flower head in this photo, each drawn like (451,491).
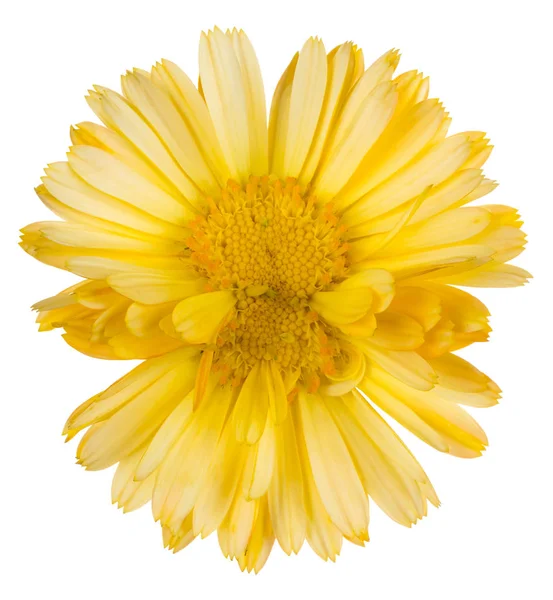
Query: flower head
(280,282)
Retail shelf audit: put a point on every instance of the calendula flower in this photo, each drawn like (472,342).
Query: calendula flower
(281,283)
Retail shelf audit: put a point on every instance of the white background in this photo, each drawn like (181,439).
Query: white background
(490,62)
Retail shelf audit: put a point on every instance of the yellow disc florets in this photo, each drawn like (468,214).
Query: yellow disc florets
(275,247)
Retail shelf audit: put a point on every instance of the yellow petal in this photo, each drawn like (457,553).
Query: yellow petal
(260,464)
(359,126)
(407,366)
(278,401)
(235,531)
(164,439)
(431,168)
(220,485)
(488,275)
(460,432)
(419,303)
(250,411)
(458,374)
(142,320)
(127,493)
(341,307)
(261,541)
(198,318)
(397,332)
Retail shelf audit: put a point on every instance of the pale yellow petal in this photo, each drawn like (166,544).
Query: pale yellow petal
(222,82)
(185,467)
(306,100)
(164,439)
(285,493)
(156,287)
(106,173)
(334,473)
(194,112)
(117,114)
(358,128)
(157,109)
(252,405)
(341,77)
(404,138)
(260,463)
(217,493)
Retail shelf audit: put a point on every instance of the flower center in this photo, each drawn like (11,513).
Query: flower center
(275,247)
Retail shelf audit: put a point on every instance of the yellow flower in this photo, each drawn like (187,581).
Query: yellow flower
(280,282)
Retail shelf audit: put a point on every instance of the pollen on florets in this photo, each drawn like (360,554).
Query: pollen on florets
(275,247)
